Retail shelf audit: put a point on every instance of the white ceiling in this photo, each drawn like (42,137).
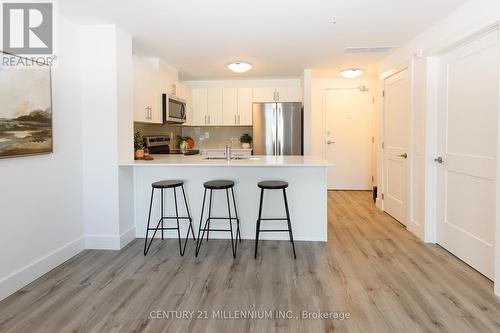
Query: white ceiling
(280,38)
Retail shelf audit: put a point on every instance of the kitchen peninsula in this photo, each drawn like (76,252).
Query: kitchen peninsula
(307,192)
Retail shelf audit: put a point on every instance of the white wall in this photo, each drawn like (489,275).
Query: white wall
(41,197)
(317,124)
(307,100)
(467,20)
(106,75)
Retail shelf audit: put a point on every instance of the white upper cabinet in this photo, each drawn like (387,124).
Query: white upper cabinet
(183,92)
(245,106)
(264,94)
(200,105)
(214,106)
(289,94)
(280,94)
(230,106)
(207,106)
(237,106)
(147,97)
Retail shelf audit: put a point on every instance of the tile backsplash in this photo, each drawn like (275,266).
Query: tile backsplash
(204,137)
(216,137)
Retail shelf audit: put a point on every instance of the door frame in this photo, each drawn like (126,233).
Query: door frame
(381,182)
(431,143)
(323,120)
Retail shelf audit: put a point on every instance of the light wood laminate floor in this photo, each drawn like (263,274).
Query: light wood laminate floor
(371,267)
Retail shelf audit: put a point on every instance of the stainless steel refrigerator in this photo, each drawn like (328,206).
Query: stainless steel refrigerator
(277,129)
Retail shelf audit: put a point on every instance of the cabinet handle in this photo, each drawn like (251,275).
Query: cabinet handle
(239,120)
(209,120)
(205,119)
(278,95)
(235,121)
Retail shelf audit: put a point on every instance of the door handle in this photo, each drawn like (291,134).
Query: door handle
(405,155)
(329,142)
(439,160)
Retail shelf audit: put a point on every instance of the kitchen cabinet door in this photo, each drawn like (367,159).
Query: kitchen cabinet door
(230,106)
(214,106)
(264,94)
(289,94)
(244,116)
(200,106)
(147,98)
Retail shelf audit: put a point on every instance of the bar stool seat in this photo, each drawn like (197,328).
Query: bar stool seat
(167,184)
(272,185)
(218,184)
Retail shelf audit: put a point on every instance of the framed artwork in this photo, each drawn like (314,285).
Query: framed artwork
(25,110)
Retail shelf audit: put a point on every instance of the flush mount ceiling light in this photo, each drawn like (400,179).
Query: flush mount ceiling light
(351,73)
(239,67)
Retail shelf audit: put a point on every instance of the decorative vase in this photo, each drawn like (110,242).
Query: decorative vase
(245,145)
(139,153)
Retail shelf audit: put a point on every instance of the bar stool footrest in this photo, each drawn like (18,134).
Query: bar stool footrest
(274,230)
(228,230)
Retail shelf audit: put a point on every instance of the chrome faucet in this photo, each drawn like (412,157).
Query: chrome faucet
(228,153)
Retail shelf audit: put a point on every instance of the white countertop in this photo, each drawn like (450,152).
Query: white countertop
(223,149)
(253,161)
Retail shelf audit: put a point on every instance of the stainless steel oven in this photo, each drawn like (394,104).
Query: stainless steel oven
(174,109)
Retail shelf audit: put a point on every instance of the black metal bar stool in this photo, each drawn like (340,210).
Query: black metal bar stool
(162,185)
(273,185)
(219,185)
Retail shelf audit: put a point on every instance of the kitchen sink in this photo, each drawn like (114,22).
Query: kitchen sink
(233,158)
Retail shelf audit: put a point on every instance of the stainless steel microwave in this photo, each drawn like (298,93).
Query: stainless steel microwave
(174,109)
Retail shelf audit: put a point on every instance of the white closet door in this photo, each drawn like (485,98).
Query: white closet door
(468,111)
(396,142)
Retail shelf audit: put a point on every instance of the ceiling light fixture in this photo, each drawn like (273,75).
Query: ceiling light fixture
(351,73)
(239,67)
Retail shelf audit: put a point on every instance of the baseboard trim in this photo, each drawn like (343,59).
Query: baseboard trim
(109,242)
(127,237)
(17,280)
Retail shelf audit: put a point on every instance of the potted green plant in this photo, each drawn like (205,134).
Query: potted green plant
(245,141)
(138,145)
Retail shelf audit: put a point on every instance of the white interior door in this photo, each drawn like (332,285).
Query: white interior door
(396,141)
(348,138)
(467,146)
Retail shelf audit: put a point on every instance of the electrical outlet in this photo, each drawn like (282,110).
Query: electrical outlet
(207,135)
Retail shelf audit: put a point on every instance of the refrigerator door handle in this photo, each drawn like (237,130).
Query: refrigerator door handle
(279,129)
(275,134)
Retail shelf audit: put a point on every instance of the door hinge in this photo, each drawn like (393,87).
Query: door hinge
(383,93)
(382,196)
(373,139)
(383,145)
(372,179)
